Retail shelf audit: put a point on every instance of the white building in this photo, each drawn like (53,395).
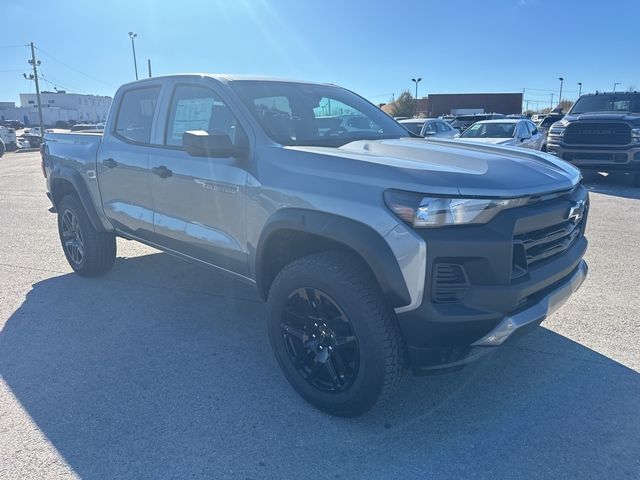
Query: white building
(57,106)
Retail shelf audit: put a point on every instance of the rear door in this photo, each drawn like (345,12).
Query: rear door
(123,161)
(200,208)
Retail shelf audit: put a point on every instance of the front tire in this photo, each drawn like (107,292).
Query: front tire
(335,338)
(88,251)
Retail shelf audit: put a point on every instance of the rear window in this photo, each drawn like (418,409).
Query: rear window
(135,116)
(413,127)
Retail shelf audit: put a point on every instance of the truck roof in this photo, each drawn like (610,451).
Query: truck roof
(226,77)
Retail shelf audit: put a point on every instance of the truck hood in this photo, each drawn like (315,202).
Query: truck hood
(491,141)
(468,168)
(595,116)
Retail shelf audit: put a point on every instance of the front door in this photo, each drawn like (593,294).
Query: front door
(199,202)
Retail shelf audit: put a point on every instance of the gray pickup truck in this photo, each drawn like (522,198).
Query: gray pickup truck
(374,250)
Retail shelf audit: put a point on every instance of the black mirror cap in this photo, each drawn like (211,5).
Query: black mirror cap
(200,143)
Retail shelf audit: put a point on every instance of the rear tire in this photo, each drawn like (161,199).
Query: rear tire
(88,251)
(330,299)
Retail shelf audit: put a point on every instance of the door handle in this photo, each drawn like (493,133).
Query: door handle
(109,162)
(161,171)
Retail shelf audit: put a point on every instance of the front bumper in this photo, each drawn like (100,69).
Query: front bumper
(441,334)
(602,158)
(535,314)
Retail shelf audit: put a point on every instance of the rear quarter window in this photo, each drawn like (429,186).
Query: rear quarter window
(135,115)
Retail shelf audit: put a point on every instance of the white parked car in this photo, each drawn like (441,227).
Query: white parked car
(32,131)
(507,132)
(429,127)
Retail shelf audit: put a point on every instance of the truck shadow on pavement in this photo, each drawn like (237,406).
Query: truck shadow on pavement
(163,369)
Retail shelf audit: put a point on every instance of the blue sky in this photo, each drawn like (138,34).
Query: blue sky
(372,47)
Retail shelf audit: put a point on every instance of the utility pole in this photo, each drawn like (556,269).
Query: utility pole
(34,76)
(579,89)
(615,85)
(552,101)
(132,36)
(149,66)
(416,81)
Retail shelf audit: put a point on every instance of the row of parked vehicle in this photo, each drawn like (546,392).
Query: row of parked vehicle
(494,129)
(31,137)
(601,132)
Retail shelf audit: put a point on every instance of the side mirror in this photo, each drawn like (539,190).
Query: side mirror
(457,135)
(200,143)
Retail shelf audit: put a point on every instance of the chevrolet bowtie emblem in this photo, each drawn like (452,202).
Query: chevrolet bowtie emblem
(576,211)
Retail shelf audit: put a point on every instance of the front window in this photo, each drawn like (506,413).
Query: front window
(489,130)
(608,102)
(443,127)
(197,108)
(317,115)
(430,128)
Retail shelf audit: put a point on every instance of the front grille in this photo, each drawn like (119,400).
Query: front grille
(450,282)
(595,156)
(538,245)
(592,133)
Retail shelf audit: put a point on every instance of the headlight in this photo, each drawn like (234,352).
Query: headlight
(635,134)
(422,211)
(556,131)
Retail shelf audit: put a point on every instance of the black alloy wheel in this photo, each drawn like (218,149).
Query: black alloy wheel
(319,340)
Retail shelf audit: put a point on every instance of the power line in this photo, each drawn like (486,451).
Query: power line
(56,83)
(75,69)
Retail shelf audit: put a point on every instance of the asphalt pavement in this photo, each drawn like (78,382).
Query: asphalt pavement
(163,369)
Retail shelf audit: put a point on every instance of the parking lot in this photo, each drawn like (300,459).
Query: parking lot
(163,368)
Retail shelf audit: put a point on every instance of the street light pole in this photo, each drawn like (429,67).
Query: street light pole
(560,97)
(615,85)
(416,81)
(579,89)
(132,36)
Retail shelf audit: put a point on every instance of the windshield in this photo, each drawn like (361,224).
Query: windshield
(490,130)
(316,115)
(613,102)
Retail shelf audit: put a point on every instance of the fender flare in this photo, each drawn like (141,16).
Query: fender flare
(75,179)
(359,237)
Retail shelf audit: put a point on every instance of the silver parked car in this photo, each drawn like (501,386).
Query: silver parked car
(506,132)
(429,127)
